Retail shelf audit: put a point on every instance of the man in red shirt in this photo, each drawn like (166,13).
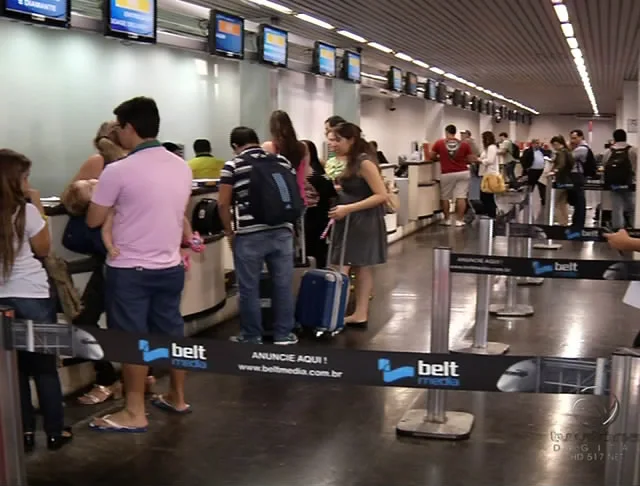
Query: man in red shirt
(454,156)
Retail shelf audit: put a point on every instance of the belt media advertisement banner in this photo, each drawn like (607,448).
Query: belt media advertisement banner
(560,233)
(357,367)
(545,267)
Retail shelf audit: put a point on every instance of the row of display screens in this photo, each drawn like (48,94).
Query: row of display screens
(137,20)
(436,91)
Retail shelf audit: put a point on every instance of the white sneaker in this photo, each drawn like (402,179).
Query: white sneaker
(459,224)
(445,222)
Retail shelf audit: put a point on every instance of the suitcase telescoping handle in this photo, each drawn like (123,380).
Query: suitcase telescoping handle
(344,240)
(303,239)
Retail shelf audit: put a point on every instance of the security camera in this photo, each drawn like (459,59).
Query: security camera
(359,49)
(275,20)
(391,105)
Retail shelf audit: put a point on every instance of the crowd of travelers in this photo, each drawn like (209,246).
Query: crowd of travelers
(127,209)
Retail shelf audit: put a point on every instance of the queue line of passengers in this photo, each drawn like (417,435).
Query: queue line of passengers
(127,205)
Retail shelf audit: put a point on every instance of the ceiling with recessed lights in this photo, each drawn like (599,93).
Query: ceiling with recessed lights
(514,48)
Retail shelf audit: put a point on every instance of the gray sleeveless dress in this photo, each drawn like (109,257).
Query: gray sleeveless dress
(366,243)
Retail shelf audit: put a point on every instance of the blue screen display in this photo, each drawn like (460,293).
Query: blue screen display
(412,84)
(353,67)
(326,60)
(275,46)
(133,17)
(433,88)
(397,79)
(229,32)
(51,9)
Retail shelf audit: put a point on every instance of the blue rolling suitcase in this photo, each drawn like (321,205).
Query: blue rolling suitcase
(322,300)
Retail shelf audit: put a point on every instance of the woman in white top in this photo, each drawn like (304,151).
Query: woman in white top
(24,286)
(489,165)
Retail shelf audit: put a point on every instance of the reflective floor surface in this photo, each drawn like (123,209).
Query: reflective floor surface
(263,432)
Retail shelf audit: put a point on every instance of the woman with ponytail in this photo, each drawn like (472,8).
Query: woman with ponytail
(362,198)
(24,286)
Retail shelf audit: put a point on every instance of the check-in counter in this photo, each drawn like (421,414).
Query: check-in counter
(391,220)
(204,290)
(423,191)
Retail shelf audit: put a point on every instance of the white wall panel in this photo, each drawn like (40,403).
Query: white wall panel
(309,101)
(545,127)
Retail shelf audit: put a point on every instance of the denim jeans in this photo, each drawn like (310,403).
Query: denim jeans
(250,252)
(622,202)
(41,367)
(579,201)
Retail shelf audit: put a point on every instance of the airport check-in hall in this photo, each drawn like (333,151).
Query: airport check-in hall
(256,243)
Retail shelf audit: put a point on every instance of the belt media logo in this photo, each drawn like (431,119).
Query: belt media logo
(181,356)
(426,374)
(560,269)
(578,235)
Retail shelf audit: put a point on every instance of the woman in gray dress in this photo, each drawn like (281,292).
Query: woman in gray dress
(362,198)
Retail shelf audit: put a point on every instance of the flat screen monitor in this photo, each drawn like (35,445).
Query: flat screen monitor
(394,79)
(351,62)
(473,104)
(411,84)
(489,108)
(131,19)
(324,59)
(442,94)
(226,35)
(457,97)
(55,13)
(273,46)
(430,90)
(464,98)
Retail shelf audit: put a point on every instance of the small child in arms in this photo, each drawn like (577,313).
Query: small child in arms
(77,202)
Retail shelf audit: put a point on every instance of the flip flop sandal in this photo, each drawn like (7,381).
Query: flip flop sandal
(159,401)
(112,426)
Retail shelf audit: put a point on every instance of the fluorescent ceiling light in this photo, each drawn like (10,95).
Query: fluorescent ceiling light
(315,21)
(380,47)
(374,76)
(449,75)
(579,61)
(273,6)
(577,53)
(437,70)
(420,63)
(404,57)
(573,42)
(352,36)
(561,12)
(556,1)
(567,29)
(472,85)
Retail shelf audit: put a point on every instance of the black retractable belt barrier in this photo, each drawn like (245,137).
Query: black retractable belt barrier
(555,232)
(546,267)
(591,185)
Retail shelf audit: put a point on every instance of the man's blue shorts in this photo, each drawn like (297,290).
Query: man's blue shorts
(144,301)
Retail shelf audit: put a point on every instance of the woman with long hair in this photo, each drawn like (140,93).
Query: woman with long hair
(284,141)
(361,199)
(563,163)
(24,286)
(489,166)
(320,199)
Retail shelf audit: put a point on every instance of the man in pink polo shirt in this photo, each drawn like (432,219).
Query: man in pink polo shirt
(149,191)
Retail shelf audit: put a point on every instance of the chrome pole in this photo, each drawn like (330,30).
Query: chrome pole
(528,219)
(551,203)
(12,466)
(436,422)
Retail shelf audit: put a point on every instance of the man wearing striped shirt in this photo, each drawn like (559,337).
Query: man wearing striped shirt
(255,244)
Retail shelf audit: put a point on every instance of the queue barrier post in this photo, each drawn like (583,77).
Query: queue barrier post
(550,210)
(622,420)
(12,465)
(527,218)
(436,422)
(480,343)
(511,308)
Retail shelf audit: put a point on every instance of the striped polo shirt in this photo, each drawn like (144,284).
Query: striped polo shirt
(237,173)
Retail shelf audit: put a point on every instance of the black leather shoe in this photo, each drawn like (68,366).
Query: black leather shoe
(55,442)
(29,443)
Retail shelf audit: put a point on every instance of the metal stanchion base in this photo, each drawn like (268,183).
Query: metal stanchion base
(530,281)
(457,426)
(490,349)
(547,246)
(518,310)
